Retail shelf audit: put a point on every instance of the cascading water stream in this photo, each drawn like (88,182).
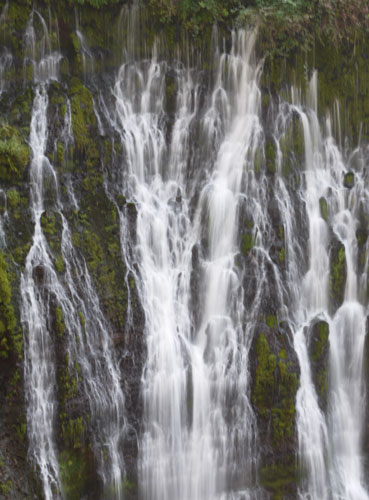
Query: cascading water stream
(329,445)
(90,354)
(194,446)
(39,364)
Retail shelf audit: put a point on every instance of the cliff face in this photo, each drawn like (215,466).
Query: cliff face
(77,364)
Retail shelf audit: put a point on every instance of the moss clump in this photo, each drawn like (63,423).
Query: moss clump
(74,474)
(337,273)
(84,123)
(274,390)
(319,341)
(282,255)
(349,180)
(263,391)
(323,208)
(10,337)
(59,322)
(14,154)
(283,414)
(277,479)
(59,264)
(247,243)
(13,198)
(272,321)
(60,153)
(6,488)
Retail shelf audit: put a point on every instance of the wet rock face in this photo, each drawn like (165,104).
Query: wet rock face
(349,180)
(337,273)
(318,344)
(275,380)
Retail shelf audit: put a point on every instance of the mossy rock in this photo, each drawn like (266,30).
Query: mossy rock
(323,205)
(337,273)
(75,473)
(349,180)
(84,124)
(14,155)
(270,155)
(279,480)
(319,359)
(10,337)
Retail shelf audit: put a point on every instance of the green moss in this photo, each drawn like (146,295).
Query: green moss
(263,391)
(74,430)
(14,154)
(20,253)
(337,276)
(270,155)
(277,479)
(282,255)
(73,473)
(13,198)
(84,123)
(349,180)
(10,336)
(283,415)
(6,488)
(323,208)
(272,321)
(92,244)
(320,343)
(247,243)
(60,153)
(59,264)
(60,325)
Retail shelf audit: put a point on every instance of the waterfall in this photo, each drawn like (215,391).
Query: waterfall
(242,218)
(329,442)
(199,428)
